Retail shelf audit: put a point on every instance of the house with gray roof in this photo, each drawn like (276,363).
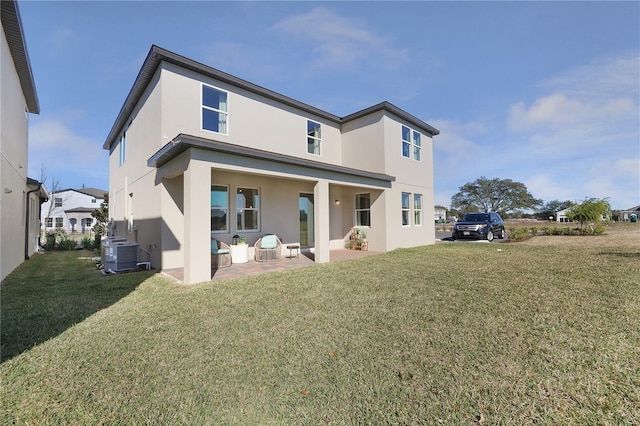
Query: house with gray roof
(196,155)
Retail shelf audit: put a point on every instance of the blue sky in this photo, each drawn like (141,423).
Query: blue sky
(543,93)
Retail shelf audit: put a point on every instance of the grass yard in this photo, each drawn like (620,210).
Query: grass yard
(541,332)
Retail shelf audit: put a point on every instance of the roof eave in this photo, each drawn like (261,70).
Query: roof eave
(183,142)
(14,33)
(389,107)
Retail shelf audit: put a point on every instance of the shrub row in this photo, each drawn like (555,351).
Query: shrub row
(56,240)
(520,234)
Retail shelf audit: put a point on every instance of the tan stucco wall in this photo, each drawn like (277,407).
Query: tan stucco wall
(14,130)
(162,198)
(254,121)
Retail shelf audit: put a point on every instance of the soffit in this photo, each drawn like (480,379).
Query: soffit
(12,25)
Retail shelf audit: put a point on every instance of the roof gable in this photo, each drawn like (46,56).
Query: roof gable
(157,55)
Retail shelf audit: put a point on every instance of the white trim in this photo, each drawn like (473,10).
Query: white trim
(203,106)
(227,225)
(258,209)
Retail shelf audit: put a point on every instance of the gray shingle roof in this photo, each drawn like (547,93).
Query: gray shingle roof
(157,55)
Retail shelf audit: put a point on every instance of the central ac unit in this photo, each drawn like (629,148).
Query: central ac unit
(121,256)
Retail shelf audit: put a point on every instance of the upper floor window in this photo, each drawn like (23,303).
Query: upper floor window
(417,146)
(406,142)
(215,113)
(58,202)
(313,137)
(219,208)
(363,209)
(411,139)
(123,149)
(248,209)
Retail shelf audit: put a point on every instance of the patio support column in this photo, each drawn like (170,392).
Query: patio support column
(321,221)
(197,236)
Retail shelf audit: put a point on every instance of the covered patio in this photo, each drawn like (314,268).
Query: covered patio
(238,270)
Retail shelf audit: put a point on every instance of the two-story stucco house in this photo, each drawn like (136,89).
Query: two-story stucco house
(21,195)
(197,154)
(69,210)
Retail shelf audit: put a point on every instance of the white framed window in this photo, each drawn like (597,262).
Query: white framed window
(411,144)
(417,209)
(314,137)
(406,142)
(219,208)
(248,209)
(417,146)
(406,209)
(59,222)
(123,149)
(215,111)
(48,223)
(58,202)
(363,209)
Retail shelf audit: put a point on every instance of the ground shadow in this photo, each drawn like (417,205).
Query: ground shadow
(50,293)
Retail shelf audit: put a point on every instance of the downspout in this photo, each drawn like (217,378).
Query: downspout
(26,228)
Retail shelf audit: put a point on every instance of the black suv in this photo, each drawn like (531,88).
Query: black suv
(480,226)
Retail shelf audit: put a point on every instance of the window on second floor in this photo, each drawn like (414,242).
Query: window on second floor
(123,149)
(215,112)
(58,202)
(313,137)
(411,143)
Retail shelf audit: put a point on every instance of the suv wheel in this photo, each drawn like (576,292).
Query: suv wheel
(490,236)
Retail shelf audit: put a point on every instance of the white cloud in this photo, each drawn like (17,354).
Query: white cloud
(581,138)
(67,156)
(341,42)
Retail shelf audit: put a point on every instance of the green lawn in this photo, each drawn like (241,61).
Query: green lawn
(450,333)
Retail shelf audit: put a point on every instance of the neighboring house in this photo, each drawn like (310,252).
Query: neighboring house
(69,210)
(628,214)
(561,215)
(440,214)
(197,154)
(21,196)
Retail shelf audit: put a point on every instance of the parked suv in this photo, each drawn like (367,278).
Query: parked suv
(480,226)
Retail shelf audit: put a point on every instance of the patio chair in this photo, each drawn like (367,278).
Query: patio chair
(220,254)
(268,248)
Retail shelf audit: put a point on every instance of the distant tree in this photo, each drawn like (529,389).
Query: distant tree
(496,195)
(551,208)
(590,210)
(101,215)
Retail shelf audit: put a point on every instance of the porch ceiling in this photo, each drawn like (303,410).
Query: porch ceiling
(184,142)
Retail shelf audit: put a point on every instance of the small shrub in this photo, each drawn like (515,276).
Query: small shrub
(533,230)
(51,240)
(66,243)
(519,234)
(87,243)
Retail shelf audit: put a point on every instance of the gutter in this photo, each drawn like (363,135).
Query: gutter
(26,228)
